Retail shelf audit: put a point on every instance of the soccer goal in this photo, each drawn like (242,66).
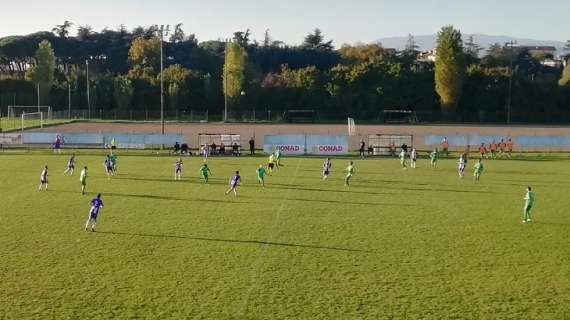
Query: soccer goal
(18,111)
(32,120)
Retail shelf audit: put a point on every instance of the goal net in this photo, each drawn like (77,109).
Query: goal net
(17,111)
(32,120)
(351,127)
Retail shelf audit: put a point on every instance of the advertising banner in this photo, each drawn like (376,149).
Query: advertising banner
(11,138)
(287,144)
(327,145)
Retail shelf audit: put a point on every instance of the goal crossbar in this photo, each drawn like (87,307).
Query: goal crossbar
(17,111)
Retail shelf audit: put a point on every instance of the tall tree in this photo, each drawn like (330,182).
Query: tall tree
(449,70)
(472,48)
(44,70)
(144,57)
(316,41)
(123,92)
(411,45)
(83,32)
(234,70)
(565,80)
(62,30)
(178,35)
(242,38)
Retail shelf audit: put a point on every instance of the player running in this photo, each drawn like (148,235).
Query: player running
(234,182)
(477,170)
(277,158)
(113,158)
(403,159)
(461,165)
(205,172)
(178,166)
(271,163)
(528,203)
(434,156)
(413,158)
(261,175)
(83,179)
(349,174)
(327,165)
(96,205)
(70,166)
(44,179)
(108,164)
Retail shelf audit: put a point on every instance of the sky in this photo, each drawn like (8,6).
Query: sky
(344,21)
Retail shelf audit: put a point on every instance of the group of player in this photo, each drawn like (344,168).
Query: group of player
(493,149)
(434,159)
(274,162)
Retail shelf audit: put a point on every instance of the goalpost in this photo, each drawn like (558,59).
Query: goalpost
(33,119)
(18,111)
(351,127)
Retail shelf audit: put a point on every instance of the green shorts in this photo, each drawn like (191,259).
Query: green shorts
(83,182)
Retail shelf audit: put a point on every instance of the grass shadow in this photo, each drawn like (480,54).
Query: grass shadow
(255,242)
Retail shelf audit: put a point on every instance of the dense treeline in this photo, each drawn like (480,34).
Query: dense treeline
(465,84)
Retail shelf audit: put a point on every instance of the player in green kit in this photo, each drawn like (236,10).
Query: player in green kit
(205,172)
(349,173)
(114,162)
(528,203)
(434,156)
(477,170)
(261,175)
(83,179)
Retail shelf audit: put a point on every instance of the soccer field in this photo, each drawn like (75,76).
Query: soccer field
(396,244)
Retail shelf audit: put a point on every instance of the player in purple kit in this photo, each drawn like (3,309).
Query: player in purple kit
(235,180)
(178,169)
(108,164)
(96,205)
(43,179)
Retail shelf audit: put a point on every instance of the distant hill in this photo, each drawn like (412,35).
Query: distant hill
(427,42)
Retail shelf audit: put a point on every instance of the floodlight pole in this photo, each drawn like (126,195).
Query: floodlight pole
(69,100)
(509,97)
(225,79)
(38,97)
(162,32)
(88,97)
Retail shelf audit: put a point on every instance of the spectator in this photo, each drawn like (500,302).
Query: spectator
(252,146)
(361,150)
(213,148)
(176,147)
(184,149)
(222,149)
(445,145)
(235,149)
(392,149)
(405,148)
(370,150)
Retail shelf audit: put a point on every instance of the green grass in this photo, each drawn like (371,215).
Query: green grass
(396,244)
(11,124)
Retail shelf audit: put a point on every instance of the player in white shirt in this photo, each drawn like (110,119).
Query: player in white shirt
(413,158)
